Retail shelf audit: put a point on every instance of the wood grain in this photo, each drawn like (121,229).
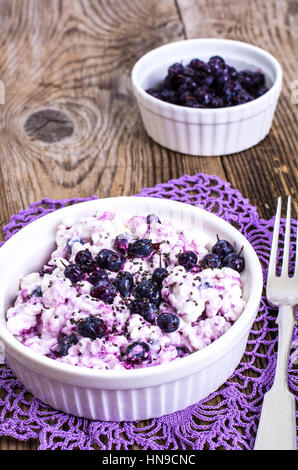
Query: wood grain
(75,57)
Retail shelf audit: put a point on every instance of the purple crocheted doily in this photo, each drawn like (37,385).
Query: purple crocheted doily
(229,417)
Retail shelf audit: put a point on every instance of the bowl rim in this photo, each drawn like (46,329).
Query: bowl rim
(179,368)
(140,92)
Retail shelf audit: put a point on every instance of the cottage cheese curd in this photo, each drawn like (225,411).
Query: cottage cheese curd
(103,311)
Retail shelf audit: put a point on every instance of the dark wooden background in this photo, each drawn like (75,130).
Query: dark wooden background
(74,57)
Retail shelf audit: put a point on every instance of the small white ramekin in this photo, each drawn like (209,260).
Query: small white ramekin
(206,132)
(132,394)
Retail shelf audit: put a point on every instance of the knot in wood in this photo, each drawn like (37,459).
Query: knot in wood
(48,125)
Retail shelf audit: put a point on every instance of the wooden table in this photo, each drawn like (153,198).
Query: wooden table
(74,58)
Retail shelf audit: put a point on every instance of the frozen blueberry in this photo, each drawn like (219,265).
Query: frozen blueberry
(217,63)
(260,91)
(108,259)
(122,242)
(152,218)
(167,95)
(148,290)
(37,292)
(203,95)
(187,259)
(105,291)
(85,260)
(168,322)
(73,272)
(92,327)
(154,92)
(65,342)
(158,275)
(147,310)
(124,283)
(251,79)
(175,69)
(140,248)
(47,270)
(71,242)
(189,84)
(234,261)
(217,102)
(137,352)
(222,248)
(201,68)
(96,276)
(182,351)
(192,102)
(212,261)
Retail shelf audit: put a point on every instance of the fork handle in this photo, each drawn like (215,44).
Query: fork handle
(286,320)
(277,427)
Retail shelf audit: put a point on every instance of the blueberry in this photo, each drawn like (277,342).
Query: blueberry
(175,69)
(222,248)
(140,248)
(191,102)
(71,242)
(182,351)
(242,97)
(65,342)
(105,291)
(124,283)
(108,259)
(231,71)
(217,63)
(153,92)
(137,352)
(152,218)
(208,81)
(148,290)
(234,261)
(196,64)
(217,102)
(251,79)
(122,242)
(188,260)
(203,95)
(167,95)
(261,91)
(47,270)
(92,327)
(189,71)
(201,68)
(73,272)
(37,292)
(146,309)
(96,276)
(168,322)
(158,275)
(84,259)
(212,261)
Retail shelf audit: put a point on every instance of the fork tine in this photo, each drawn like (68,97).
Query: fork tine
(285,261)
(274,245)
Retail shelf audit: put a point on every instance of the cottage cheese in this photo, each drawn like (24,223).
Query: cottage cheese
(50,306)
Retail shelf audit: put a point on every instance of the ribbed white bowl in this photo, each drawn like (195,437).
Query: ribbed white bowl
(132,394)
(206,132)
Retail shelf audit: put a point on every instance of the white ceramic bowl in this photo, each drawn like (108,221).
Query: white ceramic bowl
(206,132)
(132,394)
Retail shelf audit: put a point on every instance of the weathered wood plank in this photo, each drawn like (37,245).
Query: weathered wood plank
(76,58)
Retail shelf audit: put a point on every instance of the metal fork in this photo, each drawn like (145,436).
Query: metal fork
(277,427)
